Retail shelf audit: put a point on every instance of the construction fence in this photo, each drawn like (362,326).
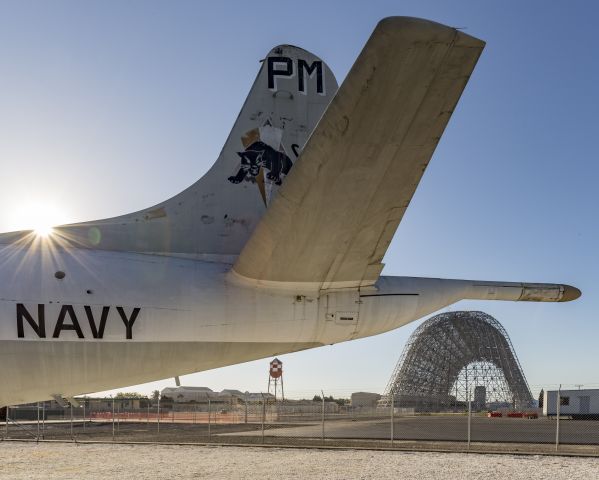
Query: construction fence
(306,423)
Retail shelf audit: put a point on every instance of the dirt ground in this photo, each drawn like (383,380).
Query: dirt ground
(50,461)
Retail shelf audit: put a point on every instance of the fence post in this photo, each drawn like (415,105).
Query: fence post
(38,422)
(392,419)
(71,405)
(112,418)
(6,422)
(43,420)
(263,414)
(246,406)
(469,417)
(84,416)
(557,411)
(158,417)
(322,416)
(209,412)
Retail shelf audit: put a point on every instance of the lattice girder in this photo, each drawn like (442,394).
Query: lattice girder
(444,346)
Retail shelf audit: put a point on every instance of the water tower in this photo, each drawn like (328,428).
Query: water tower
(275,377)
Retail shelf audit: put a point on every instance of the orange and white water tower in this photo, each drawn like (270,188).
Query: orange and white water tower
(275,377)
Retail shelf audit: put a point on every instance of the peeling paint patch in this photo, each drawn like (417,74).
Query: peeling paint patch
(156,213)
(230,222)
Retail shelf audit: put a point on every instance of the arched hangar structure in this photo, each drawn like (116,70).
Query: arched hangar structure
(456,355)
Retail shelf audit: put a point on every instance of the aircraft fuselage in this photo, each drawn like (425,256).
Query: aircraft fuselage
(80,320)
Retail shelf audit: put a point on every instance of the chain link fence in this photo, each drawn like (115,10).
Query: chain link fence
(314,422)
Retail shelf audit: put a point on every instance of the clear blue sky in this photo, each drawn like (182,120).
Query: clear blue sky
(107,107)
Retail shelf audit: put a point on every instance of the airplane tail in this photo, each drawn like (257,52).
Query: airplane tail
(214,217)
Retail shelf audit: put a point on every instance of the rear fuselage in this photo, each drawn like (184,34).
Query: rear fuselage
(75,320)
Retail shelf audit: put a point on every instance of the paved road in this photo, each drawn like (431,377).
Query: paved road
(428,428)
(453,428)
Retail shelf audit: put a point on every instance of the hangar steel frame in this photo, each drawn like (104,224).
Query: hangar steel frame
(450,354)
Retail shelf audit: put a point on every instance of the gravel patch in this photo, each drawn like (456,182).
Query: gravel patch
(70,461)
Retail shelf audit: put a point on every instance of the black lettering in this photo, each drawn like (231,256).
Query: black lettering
(272,72)
(39,328)
(97,332)
(295,148)
(60,325)
(129,321)
(303,69)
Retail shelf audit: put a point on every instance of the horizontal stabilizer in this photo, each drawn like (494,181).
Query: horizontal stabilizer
(338,210)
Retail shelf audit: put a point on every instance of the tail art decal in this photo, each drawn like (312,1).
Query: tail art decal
(264,160)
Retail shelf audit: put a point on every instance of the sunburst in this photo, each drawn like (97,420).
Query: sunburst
(40,217)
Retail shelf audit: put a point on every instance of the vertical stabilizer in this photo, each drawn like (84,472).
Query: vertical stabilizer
(213,218)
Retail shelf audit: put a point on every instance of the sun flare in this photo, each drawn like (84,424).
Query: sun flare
(43,230)
(39,217)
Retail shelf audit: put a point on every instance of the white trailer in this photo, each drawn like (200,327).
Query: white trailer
(576,404)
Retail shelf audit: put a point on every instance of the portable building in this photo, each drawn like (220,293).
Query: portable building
(577,404)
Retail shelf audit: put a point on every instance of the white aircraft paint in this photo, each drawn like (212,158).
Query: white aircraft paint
(193,316)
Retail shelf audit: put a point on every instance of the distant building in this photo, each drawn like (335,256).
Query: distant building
(258,397)
(202,395)
(188,394)
(122,403)
(364,399)
(51,409)
(582,403)
(480,397)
